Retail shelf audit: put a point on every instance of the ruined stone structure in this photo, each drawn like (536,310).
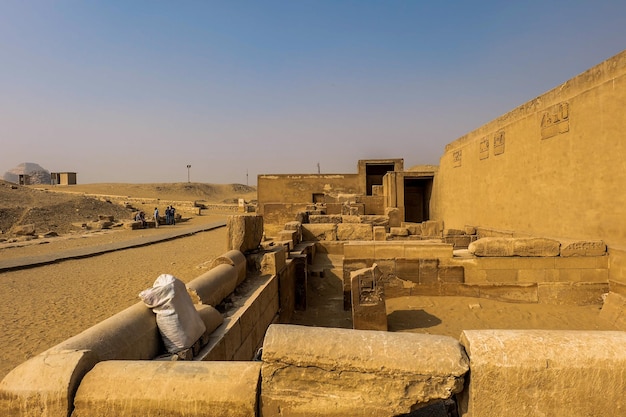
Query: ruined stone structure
(525,208)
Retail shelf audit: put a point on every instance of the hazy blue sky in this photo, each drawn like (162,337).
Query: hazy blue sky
(133,91)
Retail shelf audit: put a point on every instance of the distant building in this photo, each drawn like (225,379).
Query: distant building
(63,178)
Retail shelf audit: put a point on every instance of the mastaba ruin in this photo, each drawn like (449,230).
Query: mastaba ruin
(527,208)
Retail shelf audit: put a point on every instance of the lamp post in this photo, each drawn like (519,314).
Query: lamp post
(188,169)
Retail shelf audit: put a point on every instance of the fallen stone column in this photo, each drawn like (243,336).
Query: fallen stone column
(244,232)
(215,285)
(544,373)
(311,371)
(134,388)
(129,334)
(236,259)
(511,246)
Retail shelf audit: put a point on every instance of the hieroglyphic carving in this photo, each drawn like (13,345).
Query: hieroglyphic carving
(498,143)
(555,120)
(484,148)
(456,158)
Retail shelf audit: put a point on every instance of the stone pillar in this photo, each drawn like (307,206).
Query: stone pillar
(369,310)
(244,232)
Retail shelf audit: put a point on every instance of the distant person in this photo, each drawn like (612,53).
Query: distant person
(172,213)
(168,215)
(156,217)
(141,217)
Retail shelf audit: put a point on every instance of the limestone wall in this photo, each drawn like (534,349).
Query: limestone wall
(553,167)
(300,188)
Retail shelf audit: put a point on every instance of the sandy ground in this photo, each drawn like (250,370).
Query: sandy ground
(45,305)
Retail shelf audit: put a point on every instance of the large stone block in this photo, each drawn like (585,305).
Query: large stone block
(45,384)
(351,231)
(583,248)
(134,388)
(432,228)
(316,219)
(244,232)
(375,220)
(311,371)
(544,373)
(504,246)
(319,232)
(368,299)
(395,217)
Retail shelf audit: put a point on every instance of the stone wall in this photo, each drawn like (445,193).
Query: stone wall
(552,167)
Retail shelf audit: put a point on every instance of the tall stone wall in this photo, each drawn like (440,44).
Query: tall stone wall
(300,188)
(552,167)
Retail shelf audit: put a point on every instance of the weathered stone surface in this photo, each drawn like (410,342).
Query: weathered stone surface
(327,218)
(469,230)
(346,218)
(614,310)
(398,231)
(132,388)
(454,232)
(315,232)
(507,246)
(234,258)
(379,233)
(353,231)
(338,372)
(244,232)
(583,248)
(394,216)
(216,284)
(432,228)
(45,384)
(24,230)
(413,228)
(544,373)
(375,220)
(368,299)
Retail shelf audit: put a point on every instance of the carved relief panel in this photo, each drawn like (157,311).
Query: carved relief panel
(555,120)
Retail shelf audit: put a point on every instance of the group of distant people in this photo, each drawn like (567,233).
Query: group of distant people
(170,217)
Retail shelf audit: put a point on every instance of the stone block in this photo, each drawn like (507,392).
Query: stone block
(515,293)
(454,232)
(614,310)
(375,220)
(361,231)
(24,230)
(244,232)
(398,231)
(432,228)
(583,248)
(319,232)
(428,271)
(317,219)
(544,373)
(469,230)
(368,299)
(290,235)
(45,384)
(571,293)
(395,217)
(428,250)
(389,250)
(380,234)
(413,228)
(451,274)
(356,372)
(359,250)
(504,246)
(273,261)
(408,269)
(350,219)
(144,388)
(458,241)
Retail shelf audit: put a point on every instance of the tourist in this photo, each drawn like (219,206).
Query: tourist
(156,217)
(141,217)
(172,211)
(168,215)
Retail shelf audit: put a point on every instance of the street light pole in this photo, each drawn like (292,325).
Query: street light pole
(188,169)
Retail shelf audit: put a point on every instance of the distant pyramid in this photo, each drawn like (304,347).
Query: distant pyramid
(37,174)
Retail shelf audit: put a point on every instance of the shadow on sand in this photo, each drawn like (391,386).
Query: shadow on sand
(411,319)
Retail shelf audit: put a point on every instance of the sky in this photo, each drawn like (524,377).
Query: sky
(135,91)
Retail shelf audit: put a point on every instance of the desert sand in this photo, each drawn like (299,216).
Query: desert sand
(45,305)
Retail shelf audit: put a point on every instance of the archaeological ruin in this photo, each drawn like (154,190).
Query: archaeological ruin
(527,208)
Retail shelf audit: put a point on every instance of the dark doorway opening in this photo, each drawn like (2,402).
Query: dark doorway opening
(417,192)
(374,174)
